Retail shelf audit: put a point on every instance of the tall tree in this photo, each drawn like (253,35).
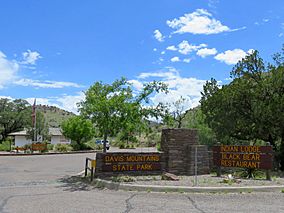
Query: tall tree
(251,106)
(113,107)
(14,116)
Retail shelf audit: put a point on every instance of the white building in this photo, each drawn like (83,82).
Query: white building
(57,136)
(55,133)
(21,138)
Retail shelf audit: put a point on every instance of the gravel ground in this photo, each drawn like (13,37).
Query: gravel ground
(203,180)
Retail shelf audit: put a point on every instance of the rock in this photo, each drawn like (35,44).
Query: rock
(169,176)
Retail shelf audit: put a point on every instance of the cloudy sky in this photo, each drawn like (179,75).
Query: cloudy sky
(54,50)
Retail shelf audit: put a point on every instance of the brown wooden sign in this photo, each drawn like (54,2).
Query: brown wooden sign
(39,147)
(131,162)
(254,157)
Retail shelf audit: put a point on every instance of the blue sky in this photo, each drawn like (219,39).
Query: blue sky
(53,50)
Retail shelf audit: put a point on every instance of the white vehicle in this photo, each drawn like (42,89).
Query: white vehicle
(102,143)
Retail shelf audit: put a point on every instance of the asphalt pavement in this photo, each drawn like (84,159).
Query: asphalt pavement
(46,184)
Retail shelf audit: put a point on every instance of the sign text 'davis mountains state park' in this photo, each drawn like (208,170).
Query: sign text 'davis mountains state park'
(131,162)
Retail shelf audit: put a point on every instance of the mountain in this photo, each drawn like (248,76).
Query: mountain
(54,115)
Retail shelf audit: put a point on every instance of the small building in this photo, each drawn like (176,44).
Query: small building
(55,135)
(21,138)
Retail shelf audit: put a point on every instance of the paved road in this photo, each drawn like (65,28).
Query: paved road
(45,184)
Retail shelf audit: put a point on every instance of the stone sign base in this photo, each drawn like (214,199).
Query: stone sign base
(180,148)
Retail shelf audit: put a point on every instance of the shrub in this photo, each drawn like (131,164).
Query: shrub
(62,147)
(121,145)
(158,146)
(50,146)
(5,146)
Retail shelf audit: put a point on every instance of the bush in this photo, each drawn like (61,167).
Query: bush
(122,145)
(158,146)
(5,146)
(83,146)
(62,147)
(50,146)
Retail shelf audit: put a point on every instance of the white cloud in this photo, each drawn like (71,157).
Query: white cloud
(136,84)
(155,49)
(187,60)
(159,36)
(185,48)
(175,59)
(231,57)
(173,48)
(6,97)
(189,88)
(163,52)
(69,102)
(280,35)
(30,57)
(8,70)
(198,22)
(206,52)
(66,102)
(45,84)
(172,73)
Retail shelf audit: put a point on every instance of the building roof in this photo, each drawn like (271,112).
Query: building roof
(20,133)
(52,132)
(55,131)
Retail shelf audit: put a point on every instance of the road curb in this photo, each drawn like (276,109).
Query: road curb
(156,188)
(49,153)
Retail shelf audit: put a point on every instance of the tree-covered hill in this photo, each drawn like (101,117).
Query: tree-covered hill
(53,115)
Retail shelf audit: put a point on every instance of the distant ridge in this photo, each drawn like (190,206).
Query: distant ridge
(54,115)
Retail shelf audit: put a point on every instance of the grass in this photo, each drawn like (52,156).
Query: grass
(282,191)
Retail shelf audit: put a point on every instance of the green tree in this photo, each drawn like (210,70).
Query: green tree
(78,129)
(14,116)
(175,113)
(233,110)
(251,107)
(196,119)
(113,107)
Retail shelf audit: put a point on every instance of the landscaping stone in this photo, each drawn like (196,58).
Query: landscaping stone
(169,176)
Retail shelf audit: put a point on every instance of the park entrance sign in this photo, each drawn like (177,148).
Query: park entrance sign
(253,157)
(129,162)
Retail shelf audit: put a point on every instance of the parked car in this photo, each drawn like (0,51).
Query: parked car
(102,143)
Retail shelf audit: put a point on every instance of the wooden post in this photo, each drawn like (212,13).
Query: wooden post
(92,174)
(268,174)
(86,167)
(218,167)
(195,165)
